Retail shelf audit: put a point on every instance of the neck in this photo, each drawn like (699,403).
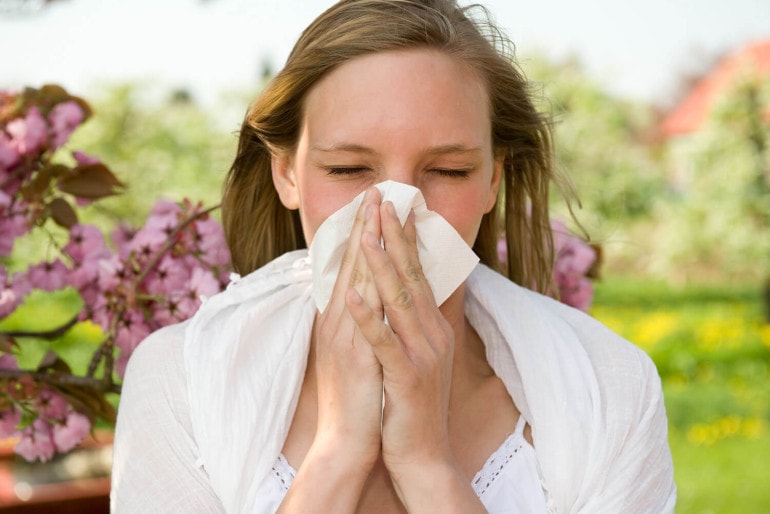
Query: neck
(469,361)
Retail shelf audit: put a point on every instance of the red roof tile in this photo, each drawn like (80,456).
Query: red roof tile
(694,109)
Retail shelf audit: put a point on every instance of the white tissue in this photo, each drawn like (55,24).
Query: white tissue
(445,257)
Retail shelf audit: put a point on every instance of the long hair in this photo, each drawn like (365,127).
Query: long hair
(259,228)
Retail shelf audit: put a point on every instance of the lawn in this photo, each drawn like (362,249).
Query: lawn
(712,348)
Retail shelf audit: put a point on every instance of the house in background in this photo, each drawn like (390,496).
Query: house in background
(681,127)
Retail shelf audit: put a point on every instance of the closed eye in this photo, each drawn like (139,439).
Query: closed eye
(345,170)
(450,172)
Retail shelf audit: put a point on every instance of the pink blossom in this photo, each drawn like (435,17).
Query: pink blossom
(121,362)
(9,300)
(113,271)
(28,134)
(5,200)
(8,154)
(65,118)
(11,293)
(132,329)
(86,242)
(68,434)
(164,209)
(85,274)
(11,227)
(170,275)
(202,283)
(149,240)
(9,420)
(8,361)
(36,442)
(99,314)
(572,254)
(48,276)
(577,292)
(212,242)
(21,285)
(166,312)
(121,238)
(51,405)
(90,294)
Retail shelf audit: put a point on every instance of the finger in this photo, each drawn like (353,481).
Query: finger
(385,344)
(350,267)
(396,298)
(401,247)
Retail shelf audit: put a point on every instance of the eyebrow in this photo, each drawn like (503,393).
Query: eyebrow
(361,149)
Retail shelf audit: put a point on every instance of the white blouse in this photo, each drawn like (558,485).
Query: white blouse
(508,481)
(207,404)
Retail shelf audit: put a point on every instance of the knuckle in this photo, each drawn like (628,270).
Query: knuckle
(413,273)
(403,300)
(380,339)
(356,277)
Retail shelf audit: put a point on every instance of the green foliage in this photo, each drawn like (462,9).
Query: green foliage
(600,142)
(168,148)
(721,218)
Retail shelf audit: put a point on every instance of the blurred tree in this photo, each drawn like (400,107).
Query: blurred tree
(720,225)
(602,142)
(161,145)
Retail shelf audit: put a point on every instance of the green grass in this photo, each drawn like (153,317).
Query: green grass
(712,348)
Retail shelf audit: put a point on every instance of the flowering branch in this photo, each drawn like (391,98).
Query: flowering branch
(148,278)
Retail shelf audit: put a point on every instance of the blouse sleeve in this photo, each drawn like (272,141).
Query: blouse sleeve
(155,455)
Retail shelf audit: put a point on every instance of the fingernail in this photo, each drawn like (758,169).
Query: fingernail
(390,208)
(367,212)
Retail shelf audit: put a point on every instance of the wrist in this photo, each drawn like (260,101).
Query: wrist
(344,455)
(438,486)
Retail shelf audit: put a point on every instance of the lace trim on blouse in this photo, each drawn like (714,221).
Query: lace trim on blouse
(492,468)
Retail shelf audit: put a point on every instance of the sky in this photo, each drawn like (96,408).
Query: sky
(639,49)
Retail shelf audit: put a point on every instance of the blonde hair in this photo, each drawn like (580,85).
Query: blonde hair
(260,229)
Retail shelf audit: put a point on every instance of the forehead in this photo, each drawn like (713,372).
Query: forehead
(405,90)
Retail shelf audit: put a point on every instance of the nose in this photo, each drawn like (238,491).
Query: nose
(401,173)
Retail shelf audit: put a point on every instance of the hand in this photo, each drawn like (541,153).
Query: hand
(349,376)
(415,349)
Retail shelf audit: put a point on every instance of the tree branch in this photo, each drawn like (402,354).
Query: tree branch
(48,334)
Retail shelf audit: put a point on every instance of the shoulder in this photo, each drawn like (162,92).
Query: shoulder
(617,363)
(157,364)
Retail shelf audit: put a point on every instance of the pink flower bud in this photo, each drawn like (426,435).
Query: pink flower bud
(65,118)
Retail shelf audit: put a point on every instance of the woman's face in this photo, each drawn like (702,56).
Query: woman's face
(419,117)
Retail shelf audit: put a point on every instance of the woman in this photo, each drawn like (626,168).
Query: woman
(388,399)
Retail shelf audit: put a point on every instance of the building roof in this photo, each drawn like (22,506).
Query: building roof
(693,111)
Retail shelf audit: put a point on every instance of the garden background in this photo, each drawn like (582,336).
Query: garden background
(682,218)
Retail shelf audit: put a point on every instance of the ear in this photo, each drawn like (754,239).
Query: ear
(497,173)
(284,180)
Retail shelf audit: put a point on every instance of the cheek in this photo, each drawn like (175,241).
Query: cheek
(463,212)
(320,200)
